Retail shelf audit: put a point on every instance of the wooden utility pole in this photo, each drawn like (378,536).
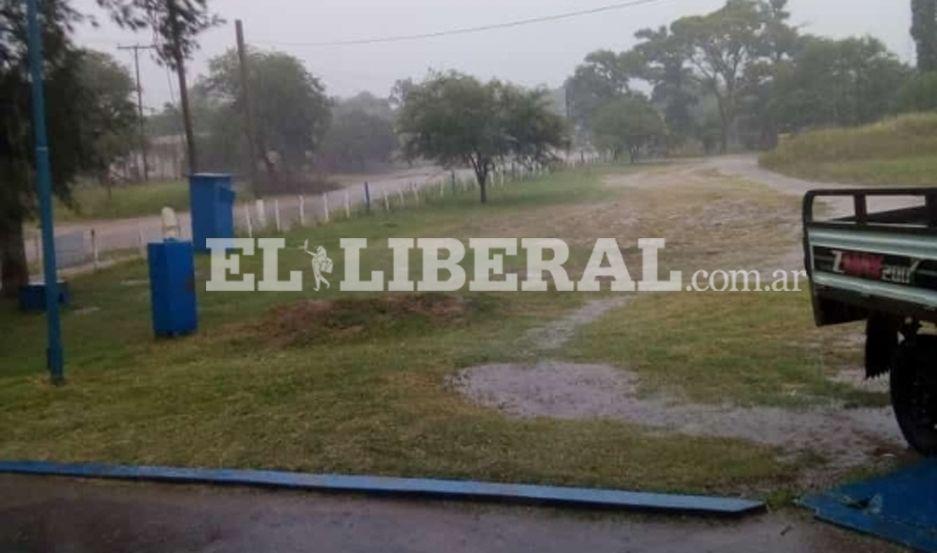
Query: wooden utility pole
(136,64)
(250,127)
(183,85)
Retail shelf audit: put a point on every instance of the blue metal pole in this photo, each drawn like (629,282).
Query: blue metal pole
(54,355)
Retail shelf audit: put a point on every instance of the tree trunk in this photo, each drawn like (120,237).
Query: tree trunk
(14,271)
(483,185)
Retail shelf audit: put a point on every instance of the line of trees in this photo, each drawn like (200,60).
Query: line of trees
(742,75)
(90,116)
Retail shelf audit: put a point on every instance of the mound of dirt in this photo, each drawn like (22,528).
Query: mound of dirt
(315,321)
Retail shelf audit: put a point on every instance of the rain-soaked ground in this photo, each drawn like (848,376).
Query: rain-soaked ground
(55,514)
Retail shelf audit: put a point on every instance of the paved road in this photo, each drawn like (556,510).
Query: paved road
(53,514)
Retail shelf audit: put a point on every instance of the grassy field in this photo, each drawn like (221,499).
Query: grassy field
(138,200)
(334,382)
(896,152)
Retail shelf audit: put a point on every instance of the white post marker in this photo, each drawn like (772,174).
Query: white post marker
(276,214)
(416,194)
(442,189)
(95,258)
(403,201)
(325,207)
(140,241)
(347,205)
(302,210)
(261,214)
(386,200)
(250,223)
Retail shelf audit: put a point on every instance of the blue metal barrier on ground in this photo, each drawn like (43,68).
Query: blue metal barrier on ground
(900,507)
(212,202)
(407,487)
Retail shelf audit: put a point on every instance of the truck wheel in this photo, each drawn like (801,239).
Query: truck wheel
(914,392)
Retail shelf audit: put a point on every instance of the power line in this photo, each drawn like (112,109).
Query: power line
(469,30)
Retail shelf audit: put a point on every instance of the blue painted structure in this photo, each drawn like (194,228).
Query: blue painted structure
(32,297)
(413,487)
(900,507)
(212,202)
(55,357)
(172,288)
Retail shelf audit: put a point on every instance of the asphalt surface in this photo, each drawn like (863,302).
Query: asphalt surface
(44,514)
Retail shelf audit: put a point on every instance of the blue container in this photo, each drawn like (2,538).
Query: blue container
(33,296)
(172,288)
(212,203)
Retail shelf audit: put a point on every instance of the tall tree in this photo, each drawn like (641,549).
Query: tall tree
(291,107)
(603,76)
(924,31)
(69,124)
(722,45)
(457,120)
(627,125)
(176,25)
(666,69)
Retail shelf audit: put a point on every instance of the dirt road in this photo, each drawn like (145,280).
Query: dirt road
(49,514)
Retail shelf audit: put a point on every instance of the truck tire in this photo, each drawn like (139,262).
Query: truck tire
(914,392)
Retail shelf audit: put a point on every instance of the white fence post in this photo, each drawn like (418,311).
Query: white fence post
(302,211)
(247,219)
(386,200)
(347,205)
(95,257)
(325,207)
(442,189)
(416,194)
(261,214)
(403,201)
(140,242)
(276,214)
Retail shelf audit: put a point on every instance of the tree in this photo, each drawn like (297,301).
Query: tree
(109,114)
(604,75)
(69,124)
(292,110)
(675,89)
(455,120)
(838,82)
(924,31)
(175,24)
(721,45)
(629,124)
(920,93)
(358,137)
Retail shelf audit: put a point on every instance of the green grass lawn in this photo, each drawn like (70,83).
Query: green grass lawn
(359,385)
(896,152)
(136,200)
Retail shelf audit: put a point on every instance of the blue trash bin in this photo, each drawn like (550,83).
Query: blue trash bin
(212,204)
(32,297)
(172,288)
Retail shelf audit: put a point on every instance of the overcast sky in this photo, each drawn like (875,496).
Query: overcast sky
(544,53)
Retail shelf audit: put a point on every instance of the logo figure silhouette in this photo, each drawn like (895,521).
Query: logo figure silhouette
(321,264)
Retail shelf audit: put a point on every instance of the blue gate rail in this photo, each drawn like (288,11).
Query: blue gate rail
(410,487)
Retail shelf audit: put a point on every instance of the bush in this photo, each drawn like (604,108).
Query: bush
(920,94)
(899,137)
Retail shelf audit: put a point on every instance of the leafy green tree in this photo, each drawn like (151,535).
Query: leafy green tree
(920,93)
(603,76)
(924,31)
(721,46)
(176,25)
(457,120)
(71,127)
(627,125)
(675,88)
(356,138)
(838,82)
(109,115)
(291,108)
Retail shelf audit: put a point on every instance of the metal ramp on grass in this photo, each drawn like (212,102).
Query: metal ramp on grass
(900,507)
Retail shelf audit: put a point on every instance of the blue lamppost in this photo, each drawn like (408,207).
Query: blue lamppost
(54,354)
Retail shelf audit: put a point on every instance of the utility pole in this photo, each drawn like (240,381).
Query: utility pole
(179,62)
(251,129)
(54,355)
(136,64)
